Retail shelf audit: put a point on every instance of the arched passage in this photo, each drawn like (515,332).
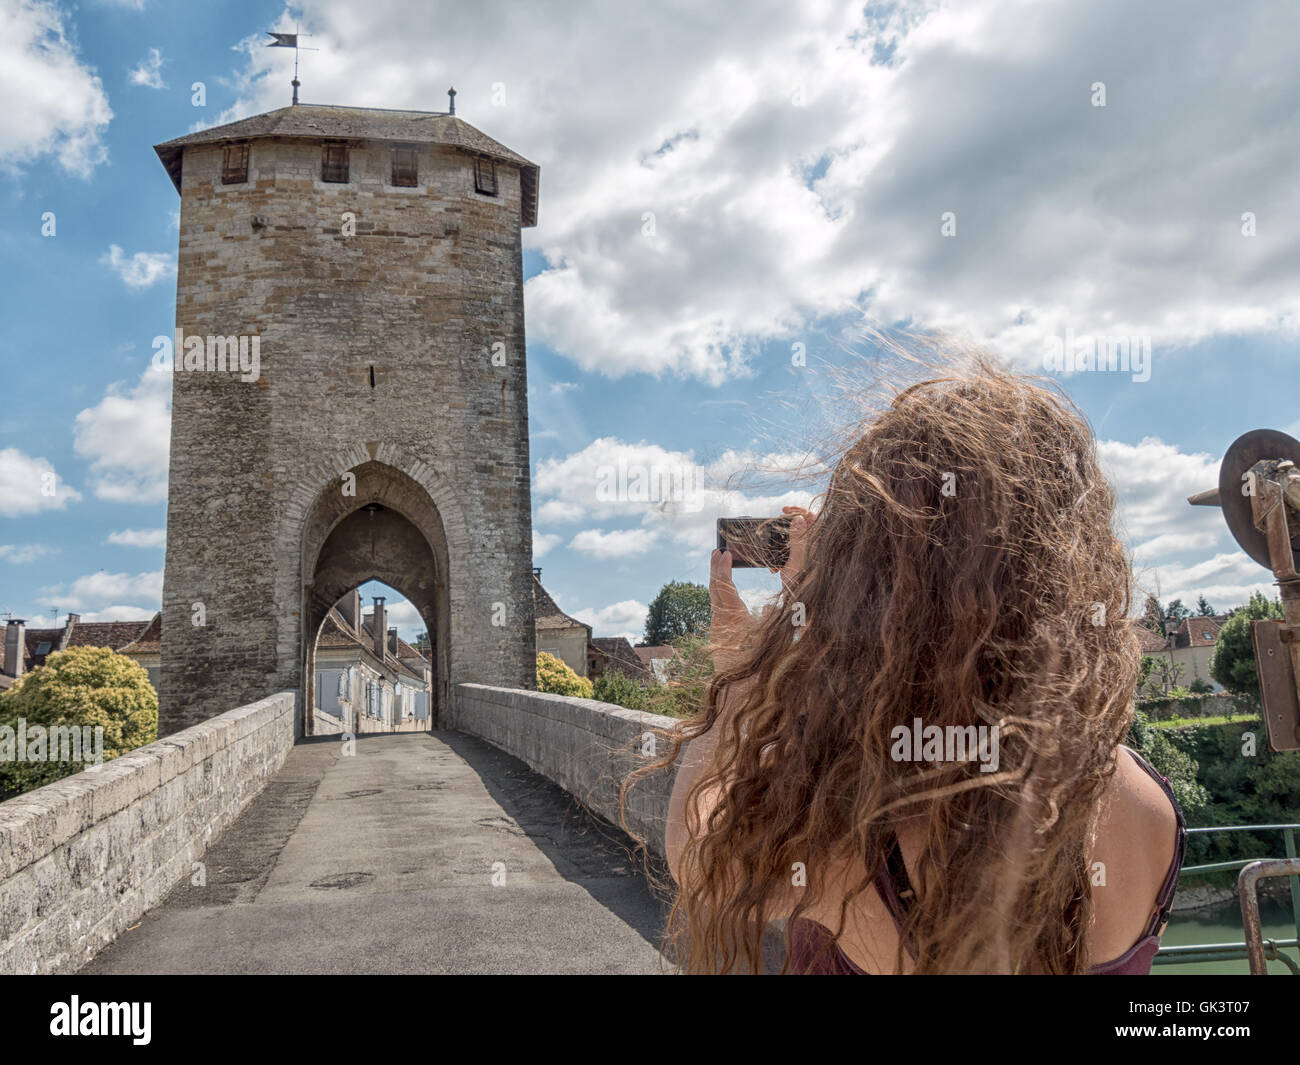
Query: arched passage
(377,523)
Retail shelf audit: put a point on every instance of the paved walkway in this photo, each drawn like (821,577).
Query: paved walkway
(382,862)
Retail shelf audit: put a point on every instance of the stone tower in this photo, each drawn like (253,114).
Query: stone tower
(349,399)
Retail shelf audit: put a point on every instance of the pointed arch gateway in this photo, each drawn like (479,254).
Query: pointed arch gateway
(376,521)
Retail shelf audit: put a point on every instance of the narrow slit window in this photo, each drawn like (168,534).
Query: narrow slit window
(485,176)
(334,163)
(234,167)
(404,167)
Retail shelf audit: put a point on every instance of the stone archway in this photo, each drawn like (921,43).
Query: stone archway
(378,523)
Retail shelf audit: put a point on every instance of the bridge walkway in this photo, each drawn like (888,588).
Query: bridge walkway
(383,862)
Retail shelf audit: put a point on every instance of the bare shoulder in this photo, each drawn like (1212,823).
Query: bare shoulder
(1135,846)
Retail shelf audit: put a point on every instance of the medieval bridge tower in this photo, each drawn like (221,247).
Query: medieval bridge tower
(349,399)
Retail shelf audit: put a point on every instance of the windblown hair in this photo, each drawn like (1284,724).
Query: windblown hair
(962,569)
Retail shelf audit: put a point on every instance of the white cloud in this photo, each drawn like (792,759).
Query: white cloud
(64,112)
(20,553)
(620,543)
(1152,481)
(796,159)
(126,438)
(141,270)
(626,618)
(139,538)
(559,511)
(1173,543)
(674,497)
(148,72)
(121,613)
(543,542)
(97,591)
(29,485)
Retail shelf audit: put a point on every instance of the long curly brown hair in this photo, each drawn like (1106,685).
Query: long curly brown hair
(962,569)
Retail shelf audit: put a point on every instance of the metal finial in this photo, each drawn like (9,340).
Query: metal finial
(451,100)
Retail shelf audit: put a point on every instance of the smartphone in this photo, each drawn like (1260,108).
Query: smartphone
(755,542)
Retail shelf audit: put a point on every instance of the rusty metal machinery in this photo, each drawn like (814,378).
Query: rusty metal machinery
(1259,493)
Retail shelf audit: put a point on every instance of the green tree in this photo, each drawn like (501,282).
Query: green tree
(1233,662)
(1154,745)
(555,676)
(1165,674)
(1203,608)
(680,609)
(1153,616)
(82,687)
(1175,615)
(619,689)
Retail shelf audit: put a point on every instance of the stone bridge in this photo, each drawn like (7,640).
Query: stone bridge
(231,848)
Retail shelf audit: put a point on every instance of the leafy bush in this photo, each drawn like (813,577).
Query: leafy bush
(1233,662)
(1166,758)
(1200,687)
(686,679)
(82,687)
(1248,785)
(619,689)
(556,677)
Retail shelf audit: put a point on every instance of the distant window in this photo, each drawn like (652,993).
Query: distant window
(1207,636)
(234,167)
(404,167)
(43,648)
(485,176)
(334,163)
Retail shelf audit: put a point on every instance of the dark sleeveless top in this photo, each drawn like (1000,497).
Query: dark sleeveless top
(812,954)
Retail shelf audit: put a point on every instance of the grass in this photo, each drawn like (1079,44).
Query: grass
(1222,719)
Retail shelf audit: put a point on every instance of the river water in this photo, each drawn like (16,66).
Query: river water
(1224,926)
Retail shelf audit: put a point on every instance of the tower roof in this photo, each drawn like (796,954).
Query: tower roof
(329,122)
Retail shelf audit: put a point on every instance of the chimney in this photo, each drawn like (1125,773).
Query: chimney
(392,641)
(14,646)
(350,608)
(65,639)
(379,627)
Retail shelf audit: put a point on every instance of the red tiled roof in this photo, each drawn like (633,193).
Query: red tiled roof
(547,614)
(649,654)
(337,633)
(114,634)
(1197,632)
(620,656)
(1149,641)
(149,641)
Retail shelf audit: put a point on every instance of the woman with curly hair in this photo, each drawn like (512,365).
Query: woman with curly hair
(960,577)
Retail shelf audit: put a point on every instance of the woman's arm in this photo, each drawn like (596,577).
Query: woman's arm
(730,622)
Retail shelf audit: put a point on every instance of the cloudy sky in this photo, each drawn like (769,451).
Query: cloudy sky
(728,191)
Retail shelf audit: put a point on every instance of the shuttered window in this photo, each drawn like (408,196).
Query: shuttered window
(234,166)
(485,176)
(334,163)
(405,171)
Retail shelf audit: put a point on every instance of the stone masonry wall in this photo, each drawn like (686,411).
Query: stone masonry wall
(82,859)
(585,746)
(429,283)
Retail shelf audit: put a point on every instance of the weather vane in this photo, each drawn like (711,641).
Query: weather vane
(290,40)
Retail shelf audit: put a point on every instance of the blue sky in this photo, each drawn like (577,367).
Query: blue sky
(797,165)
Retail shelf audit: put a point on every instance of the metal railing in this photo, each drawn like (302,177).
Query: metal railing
(1254,948)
